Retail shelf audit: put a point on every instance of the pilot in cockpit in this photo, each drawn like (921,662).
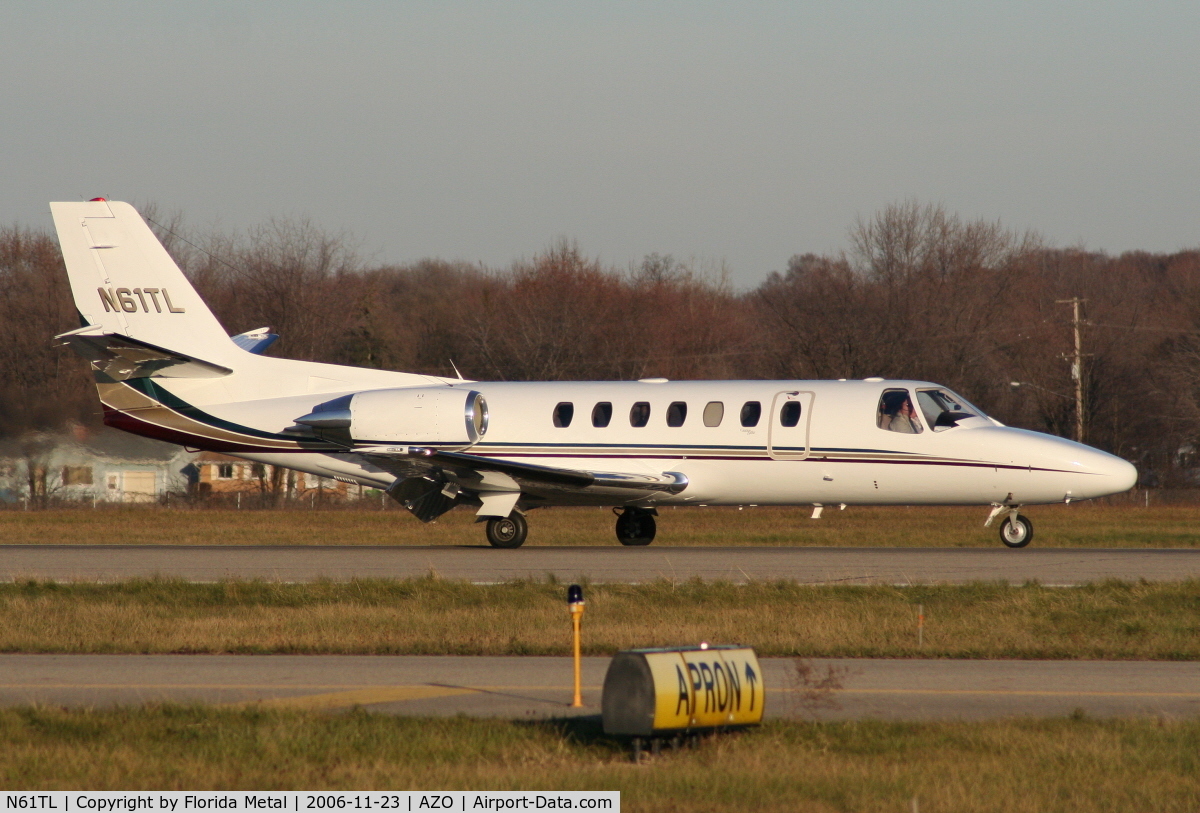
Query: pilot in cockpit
(897,414)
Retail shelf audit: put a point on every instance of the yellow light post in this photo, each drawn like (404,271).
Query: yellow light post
(575,604)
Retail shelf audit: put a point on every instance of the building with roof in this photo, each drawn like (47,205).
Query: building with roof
(106,465)
(219,474)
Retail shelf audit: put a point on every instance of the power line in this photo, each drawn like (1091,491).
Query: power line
(203,251)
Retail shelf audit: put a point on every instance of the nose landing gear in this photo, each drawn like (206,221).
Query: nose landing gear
(636,526)
(1016,531)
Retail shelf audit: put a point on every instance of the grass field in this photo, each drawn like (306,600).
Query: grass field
(432,616)
(1069,764)
(1077,525)
(1073,764)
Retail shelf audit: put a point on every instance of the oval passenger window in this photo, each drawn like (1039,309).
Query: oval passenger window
(601,414)
(714,411)
(751,412)
(563,413)
(676,414)
(639,415)
(789,415)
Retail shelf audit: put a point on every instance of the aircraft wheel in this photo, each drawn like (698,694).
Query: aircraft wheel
(636,527)
(1018,533)
(507,532)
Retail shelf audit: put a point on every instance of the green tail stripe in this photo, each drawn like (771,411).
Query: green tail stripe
(147,387)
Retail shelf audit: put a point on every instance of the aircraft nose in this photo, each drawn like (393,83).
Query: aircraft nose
(1068,469)
(1117,475)
(1123,473)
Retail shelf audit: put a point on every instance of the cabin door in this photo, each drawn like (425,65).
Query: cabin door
(790,424)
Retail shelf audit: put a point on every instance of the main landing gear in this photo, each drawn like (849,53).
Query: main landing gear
(1016,531)
(507,532)
(635,526)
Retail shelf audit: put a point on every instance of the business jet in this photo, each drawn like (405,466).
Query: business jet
(165,368)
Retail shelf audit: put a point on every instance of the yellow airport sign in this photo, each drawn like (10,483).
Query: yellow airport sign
(649,692)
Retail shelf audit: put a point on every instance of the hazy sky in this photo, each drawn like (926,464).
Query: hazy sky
(738,132)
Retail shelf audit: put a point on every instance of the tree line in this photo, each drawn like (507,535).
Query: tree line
(917,293)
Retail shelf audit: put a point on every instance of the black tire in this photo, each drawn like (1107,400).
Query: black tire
(507,532)
(636,527)
(1016,534)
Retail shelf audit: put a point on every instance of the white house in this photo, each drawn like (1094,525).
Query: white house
(104,465)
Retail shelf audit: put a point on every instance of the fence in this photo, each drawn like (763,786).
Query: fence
(376,500)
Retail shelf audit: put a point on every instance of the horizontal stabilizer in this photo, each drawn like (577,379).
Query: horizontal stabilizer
(123,357)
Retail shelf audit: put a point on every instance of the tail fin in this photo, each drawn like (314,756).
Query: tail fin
(125,283)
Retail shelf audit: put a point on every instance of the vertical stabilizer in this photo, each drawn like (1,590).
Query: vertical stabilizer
(125,283)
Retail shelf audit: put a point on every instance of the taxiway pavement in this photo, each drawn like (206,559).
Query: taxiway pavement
(540,688)
(1052,566)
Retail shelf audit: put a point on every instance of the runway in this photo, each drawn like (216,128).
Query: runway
(1052,566)
(533,688)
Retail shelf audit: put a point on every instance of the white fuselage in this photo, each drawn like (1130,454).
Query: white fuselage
(835,454)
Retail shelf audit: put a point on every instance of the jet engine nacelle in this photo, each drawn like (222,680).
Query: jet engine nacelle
(440,416)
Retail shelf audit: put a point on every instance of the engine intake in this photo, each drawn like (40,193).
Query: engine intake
(442,416)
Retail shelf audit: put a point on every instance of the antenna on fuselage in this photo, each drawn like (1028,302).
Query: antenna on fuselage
(456,372)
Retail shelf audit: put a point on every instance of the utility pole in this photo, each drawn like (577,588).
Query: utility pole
(1076,363)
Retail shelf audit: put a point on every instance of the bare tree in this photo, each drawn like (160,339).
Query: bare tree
(918,293)
(41,386)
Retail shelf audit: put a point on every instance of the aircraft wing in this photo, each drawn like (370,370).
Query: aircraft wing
(425,474)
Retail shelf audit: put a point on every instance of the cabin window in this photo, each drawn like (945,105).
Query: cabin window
(943,409)
(789,413)
(639,414)
(751,412)
(76,475)
(676,414)
(563,413)
(601,414)
(897,414)
(714,411)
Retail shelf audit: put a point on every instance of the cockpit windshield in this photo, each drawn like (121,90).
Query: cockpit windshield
(943,409)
